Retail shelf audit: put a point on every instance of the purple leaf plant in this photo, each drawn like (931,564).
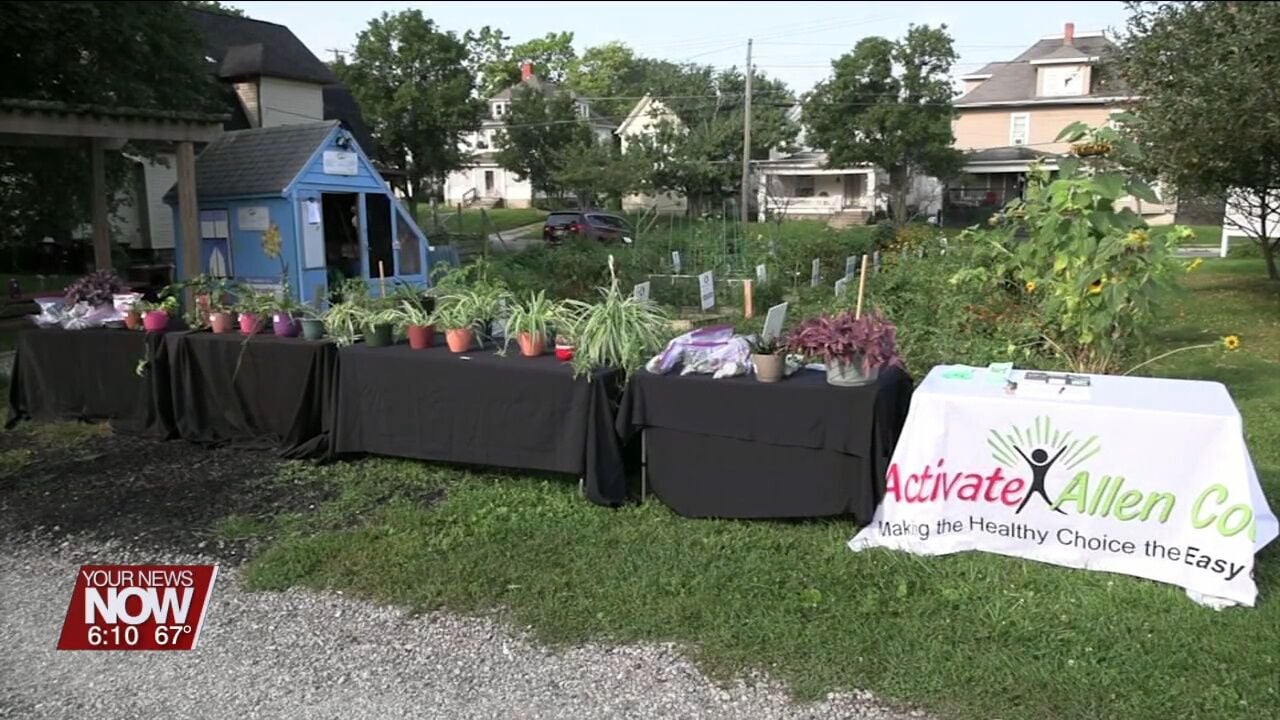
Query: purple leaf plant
(843,339)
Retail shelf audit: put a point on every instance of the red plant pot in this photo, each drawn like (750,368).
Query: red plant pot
(564,353)
(133,320)
(155,321)
(220,322)
(531,345)
(459,339)
(250,323)
(421,337)
(284,325)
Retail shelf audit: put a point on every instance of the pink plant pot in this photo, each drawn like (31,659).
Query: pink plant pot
(250,323)
(220,322)
(284,325)
(154,321)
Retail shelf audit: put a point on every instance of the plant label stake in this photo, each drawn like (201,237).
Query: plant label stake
(382,279)
(841,285)
(850,266)
(641,291)
(748,309)
(862,284)
(707,289)
(762,274)
(774,320)
(875,260)
(815,275)
(675,261)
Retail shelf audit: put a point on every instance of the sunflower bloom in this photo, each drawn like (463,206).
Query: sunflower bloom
(1195,264)
(1095,287)
(1031,286)
(1231,342)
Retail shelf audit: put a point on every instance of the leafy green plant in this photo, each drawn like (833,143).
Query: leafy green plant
(168,304)
(254,301)
(411,311)
(535,315)
(344,321)
(619,331)
(458,310)
(762,345)
(1093,276)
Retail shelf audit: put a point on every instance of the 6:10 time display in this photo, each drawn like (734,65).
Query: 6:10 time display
(113,635)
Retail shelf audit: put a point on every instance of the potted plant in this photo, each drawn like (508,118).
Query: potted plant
(564,346)
(768,357)
(312,320)
(530,322)
(379,324)
(97,288)
(283,310)
(619,331)
(253,306)
(418,321)
(155,316)
(458,314)
(221,318)
(133,318)
(854,350)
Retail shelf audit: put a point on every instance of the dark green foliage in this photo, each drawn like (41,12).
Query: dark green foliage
(541,131)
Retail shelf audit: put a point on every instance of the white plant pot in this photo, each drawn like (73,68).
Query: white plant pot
(849,374)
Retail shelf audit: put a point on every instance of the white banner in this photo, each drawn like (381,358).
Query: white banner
(1148,477)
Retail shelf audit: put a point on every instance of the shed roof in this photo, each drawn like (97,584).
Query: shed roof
(261,161)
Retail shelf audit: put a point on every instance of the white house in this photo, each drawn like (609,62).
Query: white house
(801,185)
(485,183)
(1241,219)
(643,120)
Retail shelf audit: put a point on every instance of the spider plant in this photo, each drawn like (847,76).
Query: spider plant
(345,321)
(530,322)
(619,331)
(458,310)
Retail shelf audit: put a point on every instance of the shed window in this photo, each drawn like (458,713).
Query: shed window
(409,255)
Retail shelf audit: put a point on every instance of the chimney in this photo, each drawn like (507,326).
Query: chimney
(526,70)
(1068,33)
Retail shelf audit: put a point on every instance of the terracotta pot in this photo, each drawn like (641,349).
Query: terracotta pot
(768,367)
(284,325)
(155,320)
(459,339)
(312,329)
(532,344)
(421,337)
(133,320)
(220,322)
(250,323)
(564,353)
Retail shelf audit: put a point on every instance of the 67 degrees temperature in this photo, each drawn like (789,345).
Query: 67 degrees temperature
(164,635)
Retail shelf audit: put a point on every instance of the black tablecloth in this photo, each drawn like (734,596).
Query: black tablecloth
(736,447)
(483,409)
(92,374)
(263,391)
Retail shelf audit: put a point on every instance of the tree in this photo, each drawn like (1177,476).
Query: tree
(214,6)
(139,55)
(497,65)
(540,127)
(412,82)
(889,103)
(1206,118)
(598,174)
(609,71)
(700,156)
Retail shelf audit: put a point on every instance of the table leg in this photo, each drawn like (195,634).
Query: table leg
(644,467)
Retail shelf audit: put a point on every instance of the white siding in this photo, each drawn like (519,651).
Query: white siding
(159,178)
(248,94)
(288,102)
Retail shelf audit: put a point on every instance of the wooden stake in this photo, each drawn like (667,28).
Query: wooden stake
(862,284)
(382,282)
(748,311)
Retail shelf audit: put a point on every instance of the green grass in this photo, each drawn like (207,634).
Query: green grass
(1205,235)
(967,636)
(471,221)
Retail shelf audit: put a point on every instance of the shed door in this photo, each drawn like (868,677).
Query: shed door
(392,241)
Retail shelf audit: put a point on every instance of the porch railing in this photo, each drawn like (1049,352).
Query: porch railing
(813,205)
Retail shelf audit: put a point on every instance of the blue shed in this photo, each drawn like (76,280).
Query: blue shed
(312,184)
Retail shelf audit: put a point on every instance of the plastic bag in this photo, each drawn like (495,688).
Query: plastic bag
(51,312)
(82,316)
(712,351)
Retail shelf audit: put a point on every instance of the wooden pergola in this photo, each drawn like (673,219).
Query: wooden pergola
(35,123)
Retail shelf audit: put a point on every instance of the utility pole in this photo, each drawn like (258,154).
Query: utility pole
(746,145)
(337,54)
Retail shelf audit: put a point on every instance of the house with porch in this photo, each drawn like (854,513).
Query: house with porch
(1011,113)
(485,183)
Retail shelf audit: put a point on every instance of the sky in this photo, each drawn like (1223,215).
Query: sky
(794,41)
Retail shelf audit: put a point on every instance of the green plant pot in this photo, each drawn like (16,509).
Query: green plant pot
(379,337)
(312,329)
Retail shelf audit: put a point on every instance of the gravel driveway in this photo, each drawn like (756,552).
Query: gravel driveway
(304,654)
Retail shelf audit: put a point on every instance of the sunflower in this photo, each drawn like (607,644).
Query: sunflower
(1095,287)
(1231,342)
(1031,286)
(1195,264)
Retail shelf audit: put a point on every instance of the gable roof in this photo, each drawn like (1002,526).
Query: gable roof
(546,87)
(1015,81)
(244,47)
(261,161)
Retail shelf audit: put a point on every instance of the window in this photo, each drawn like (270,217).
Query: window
(608,221)
(804,186)
(482,141)
(1062,81)
(499,109)
(1019,128)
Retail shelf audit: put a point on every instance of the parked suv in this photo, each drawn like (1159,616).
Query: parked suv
(587,223)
